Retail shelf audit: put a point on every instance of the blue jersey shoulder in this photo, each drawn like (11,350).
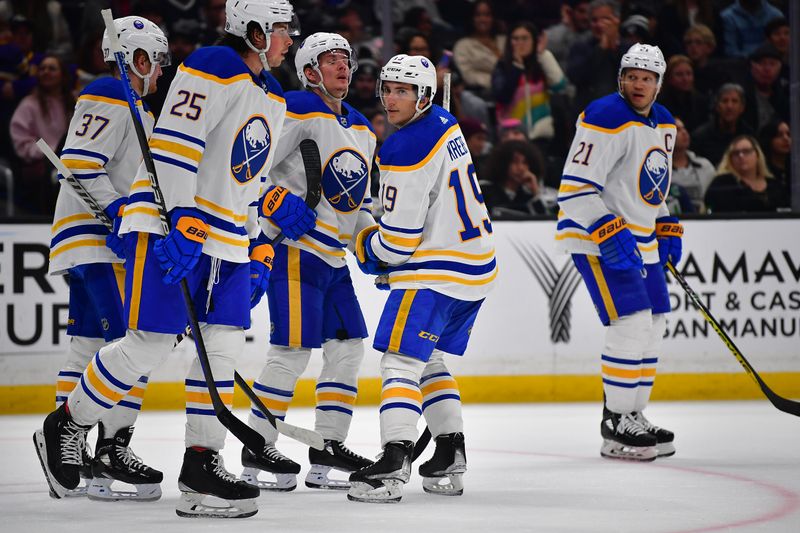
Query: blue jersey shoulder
(356,118)
(220,61)
(273,84)
(303,102)
(609,112)
(107,87)
(411,144)
(662,114)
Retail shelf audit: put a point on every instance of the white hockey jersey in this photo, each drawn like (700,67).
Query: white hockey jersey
(212,147)
(102,152)
(435,232)
(347,148)
(620,162)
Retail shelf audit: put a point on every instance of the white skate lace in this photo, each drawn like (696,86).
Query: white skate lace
(130,459)
(219,470)
(344,450)
(646,424)
(73,444)
(273,453)
(629,424)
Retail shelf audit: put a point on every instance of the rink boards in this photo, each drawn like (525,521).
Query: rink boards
(537,337)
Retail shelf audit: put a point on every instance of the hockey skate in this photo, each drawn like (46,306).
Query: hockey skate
(441,474)
(270,460)
(335,456)
(665,445)
(382,482)
(116,461)
(206,487)
(60,445)
(625,438)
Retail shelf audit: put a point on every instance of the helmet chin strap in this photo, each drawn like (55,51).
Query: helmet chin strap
(321,86)
(145,78)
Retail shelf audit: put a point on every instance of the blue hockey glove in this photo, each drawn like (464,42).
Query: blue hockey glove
(368,262)
(382,283)
(617,244)
(261,255)
(179,251)
(669,233)
(288,211)
(113,240)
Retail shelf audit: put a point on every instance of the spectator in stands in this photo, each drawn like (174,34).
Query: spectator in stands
(523,80)
(700,45)
(593,62)
(777,32)
(766,96)
(775,140)
(743,25)
(184,36)
(726,122)
(743,182)
(574,25)
(510,129)
(689,171)
(635,29)
(213,22)
(45,113)
(676,17)
(48,26)
(476,135)
(466,104)
(679,95)
(516,182)
(362,89)
(412,42)
(477,54)
(91,64)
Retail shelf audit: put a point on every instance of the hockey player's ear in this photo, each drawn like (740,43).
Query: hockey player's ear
(256,36)
(141,62)
(311,75)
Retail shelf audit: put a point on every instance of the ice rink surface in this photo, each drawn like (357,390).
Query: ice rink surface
(533,467)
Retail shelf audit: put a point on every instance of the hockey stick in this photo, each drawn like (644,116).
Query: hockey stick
(783,404)
(251,438)
(313,167)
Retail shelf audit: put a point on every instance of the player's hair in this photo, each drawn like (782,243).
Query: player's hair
(702,31)
(238,44)
(533,69)
(725,166)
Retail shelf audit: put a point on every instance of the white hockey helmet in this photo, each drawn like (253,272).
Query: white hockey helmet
(138,33)
(414,70)
(315,45)
(644,57)
(266,13)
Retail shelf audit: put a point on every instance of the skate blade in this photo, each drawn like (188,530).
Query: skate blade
(614,450)
(390,491)
(100,491)
(282,483)
(449,485)
(317,478)
(57,490)
(665,449)
(196,505)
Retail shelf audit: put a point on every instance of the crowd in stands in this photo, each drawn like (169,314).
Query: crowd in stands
(522,72)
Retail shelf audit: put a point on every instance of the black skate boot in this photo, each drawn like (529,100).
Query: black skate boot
(441,474)
(203,474)
(625,438)
(664,438)
(335,456)
(115,461)
(272,461)
(60,445)
(382,481)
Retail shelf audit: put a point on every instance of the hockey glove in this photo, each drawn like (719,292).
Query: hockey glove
(288,211)
(368,262)
(669,233)
(113,240)
(617,244)
(179,251)
(261,255)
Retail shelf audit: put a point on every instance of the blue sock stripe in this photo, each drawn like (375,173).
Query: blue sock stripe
(335,408)
(61,399)
(130,405)
(432,401)
(70,374)
(401,380)
(650,361)
(271,390)
(117,383)
(397,405)
(94,398)
(143,379)
(632,362)
(646,383)
(200,383)
(258,414)
(431,376)
(201,412)
(337,385)
(619,384)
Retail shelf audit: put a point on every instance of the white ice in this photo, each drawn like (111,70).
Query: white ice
(533,467)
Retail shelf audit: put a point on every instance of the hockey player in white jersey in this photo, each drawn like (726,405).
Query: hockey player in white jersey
(616,225)
(101,152)
(435,243)
(311,298)
(212,150)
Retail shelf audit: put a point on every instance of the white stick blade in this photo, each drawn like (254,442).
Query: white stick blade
(306,436)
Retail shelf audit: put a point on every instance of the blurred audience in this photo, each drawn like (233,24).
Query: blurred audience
(476,135)
(775,140)
(743,24)
(743,182)
(477,53)
(574,25)
(679,95)
(766,95)
(726,122)
(700,44)
(516,182)
(689,171)
(466,104)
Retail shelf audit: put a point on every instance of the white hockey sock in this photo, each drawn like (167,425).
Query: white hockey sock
(401,399)
(337,387)
(125,413)
(223,344)
(626,340)
(275,386)
(441,400)
(81,351)
(650,361)
(114,370)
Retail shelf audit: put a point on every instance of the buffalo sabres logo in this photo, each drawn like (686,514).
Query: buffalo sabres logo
(344,180)
(250,149)
(654,177)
